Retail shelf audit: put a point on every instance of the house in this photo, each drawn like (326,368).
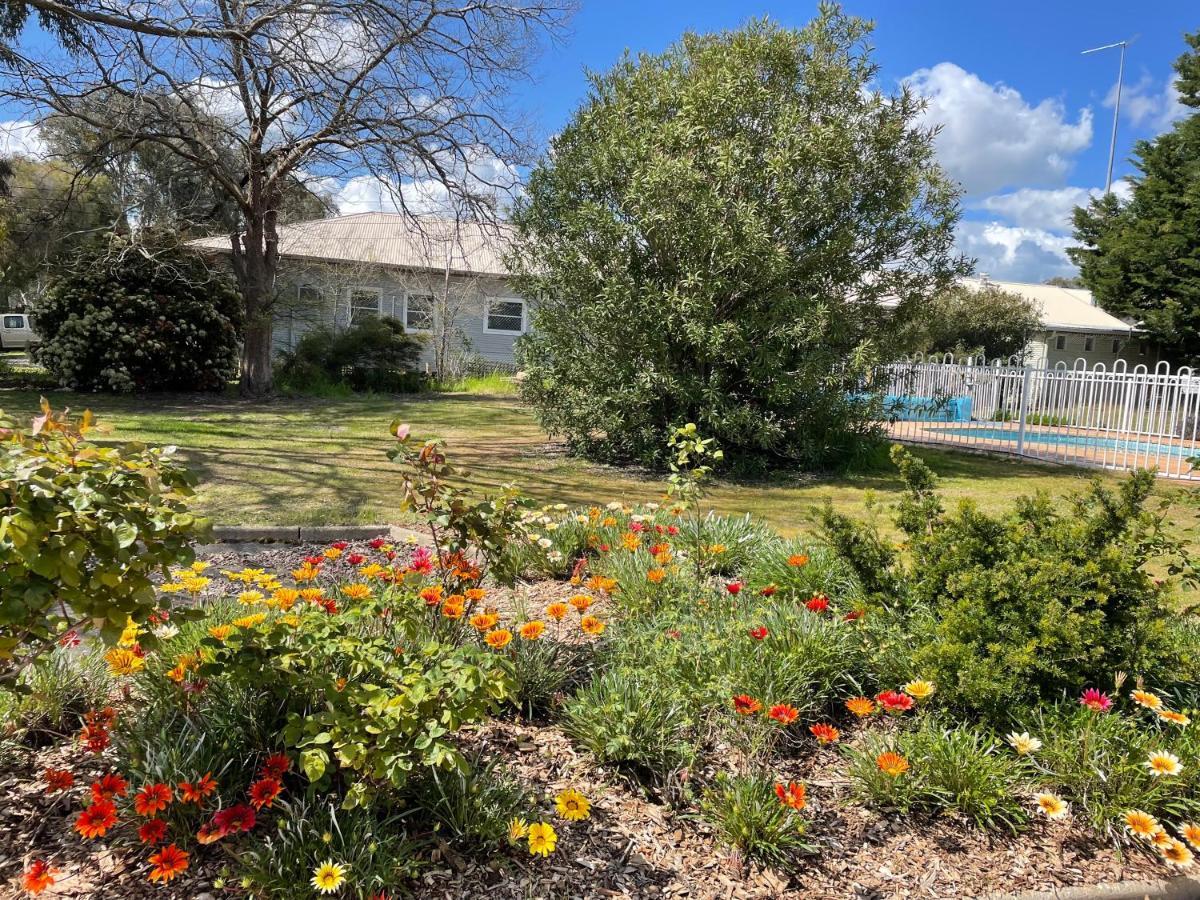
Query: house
(444,280)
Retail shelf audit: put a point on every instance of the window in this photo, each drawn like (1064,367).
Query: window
(1116,345)
(364,304)
(1089,343)
(506,316)
(418,312)
(1060,342)
(14,321)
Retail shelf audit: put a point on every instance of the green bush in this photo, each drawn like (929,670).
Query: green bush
(126,317)
(374,355)
(54,692)
(475,805)
(749,816)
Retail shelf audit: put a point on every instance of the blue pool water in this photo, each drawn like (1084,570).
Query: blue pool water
(1121,445)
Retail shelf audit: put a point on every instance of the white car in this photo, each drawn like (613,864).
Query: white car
(16,332)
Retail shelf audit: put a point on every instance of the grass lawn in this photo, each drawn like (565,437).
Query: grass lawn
(321,461)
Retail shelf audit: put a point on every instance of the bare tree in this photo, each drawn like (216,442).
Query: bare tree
(262,95)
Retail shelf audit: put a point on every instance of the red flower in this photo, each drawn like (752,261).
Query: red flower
(208,834)
(818,604)
(195,792)
(1095,700)
(672,530)
(153,798)
(58,780)
(356,559)
(233,819)
(604,548)
(264,792)
(109,786)
(746,705)
(377,544)
(38,877)
(784,714)
(152,831)
(167,863)
(70,640)
(768,591)
(96,819)
(825,734)
(275,766)
(94,737)
(854,615)
(314,562)
(673,633)
(339,545)
(734,587)
(758,633)
(791,795)
(894,701)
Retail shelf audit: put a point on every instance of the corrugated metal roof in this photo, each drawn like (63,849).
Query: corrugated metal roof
(391,239)
(1063,309)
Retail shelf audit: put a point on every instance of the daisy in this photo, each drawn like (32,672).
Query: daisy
(542,839)
(152,799)
(892,764)
(591,625)
(152,831)
(572,805)
(1054,806)
(1163,763)
(894,702)
(1175,718)
(860,706)
(1191,834)
(1024,743)
(1141,824)
(38,877)
(784,714)
(1177,854)
(264,791)
(196,791)
(1146,699)
(531,631)
(745,705)
(518,830)
(791,795)
(498,638)
(96,819)
(58,780)
(1095,700)
(556,611)
(328,877)
(825,734)
(920,690)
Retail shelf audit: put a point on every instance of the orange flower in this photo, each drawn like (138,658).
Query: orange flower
(892,764)
(209,834)
(109,786)
(285,598)
(264,791)
(356,592)
(825,734)
(531,631)
(312,595)
(452,610)
(167,863)
(792,795)
(556,611)
(38,877)
(152,831)
(58,780)
(498,639)
(745,705)
(797,560)
(432,595)
(151,799)
(591,625)
(784,714)
(484,621)
(860,706)
(96,819)
(476,594)
(581,602)
(195,792)
(654,576)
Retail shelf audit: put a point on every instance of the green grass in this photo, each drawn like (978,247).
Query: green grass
(307,461)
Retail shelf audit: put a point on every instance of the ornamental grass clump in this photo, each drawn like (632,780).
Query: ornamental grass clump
(759,817)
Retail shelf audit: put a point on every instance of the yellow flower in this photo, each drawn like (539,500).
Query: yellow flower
(591,625)
(328,877)
(332,553)
(1163,763)
(292,620)
(572,805)
(1175,718)
(200,566)
(305,573)
(581,602)
(356,591)
(556,611)
(498,639)
(1141,824)
(194,584)
(171,587)
(1024,743)
(920,690)
(860,706)
(531,631)
(542,839)
(250,598)
(129,637)
(311,595)
(371,570)
(1054,806)
(285,598)
(475,594)
(1177,854)
(1146,699)
(1191,834)
(518,830)
(250,621)
(608,522)
(630,541)
(123,663)
(221,632)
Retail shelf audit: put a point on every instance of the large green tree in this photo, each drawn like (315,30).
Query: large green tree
(1141,258)
(975,321)
(710,239)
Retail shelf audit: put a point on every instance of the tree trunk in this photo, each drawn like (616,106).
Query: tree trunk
(257,379)
(255,263)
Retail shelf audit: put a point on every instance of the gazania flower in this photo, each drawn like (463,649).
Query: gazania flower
(1177,854)
(122,663)
(498,639)
(452,610)
(734,587)
(1146,699)
(209,834)
(483,621)
(152,799)
(1095,700)
(894,702)
(1052,805)
(745,705)
(860,706)
(1175,718)
(531,631)
(432,595)
(167,863)
(233,819)
(797,560)
(892,764)
(1161,839)
(758,633)
(572,805)
(96,819)
(591,625)
(783,713)
(818,604)
(768,591)
(264,791)
(356,592)
(542,839)
(196,791)
(1191,834)
(251,598)
(791,795)
(275,766)
(824,733)
(109,786)
(250,621)
(556,611)
(152,831)
(581,602)
(1141,824)
(58,780)
(655,576)
(920,690)
(518,830)
(474,595)
(221,632)
(1163,763)
(38,877)
(1024,743)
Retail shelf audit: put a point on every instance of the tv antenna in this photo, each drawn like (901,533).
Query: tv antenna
(1112,144)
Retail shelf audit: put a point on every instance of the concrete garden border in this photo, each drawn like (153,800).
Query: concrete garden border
(1182,888)
(312,534)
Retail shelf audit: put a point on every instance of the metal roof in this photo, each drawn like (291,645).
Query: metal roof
(1063,309)
(393,240)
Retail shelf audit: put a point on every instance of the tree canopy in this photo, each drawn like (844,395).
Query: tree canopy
(975,321)
(711,237)
(1141,258)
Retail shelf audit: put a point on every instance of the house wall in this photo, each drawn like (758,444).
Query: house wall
(1043,350)
(317,294)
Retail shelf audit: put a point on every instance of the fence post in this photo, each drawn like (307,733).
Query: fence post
(1026,381)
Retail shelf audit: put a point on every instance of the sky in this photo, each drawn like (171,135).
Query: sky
(1025,117)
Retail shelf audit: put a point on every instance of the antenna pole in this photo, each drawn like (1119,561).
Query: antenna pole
(1112,146)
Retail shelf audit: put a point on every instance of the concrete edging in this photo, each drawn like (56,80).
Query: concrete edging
(311,534)
(1182,888)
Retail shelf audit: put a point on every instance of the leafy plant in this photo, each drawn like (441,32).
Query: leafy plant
(748,815)
(55,691)
(474,805)
(372,355)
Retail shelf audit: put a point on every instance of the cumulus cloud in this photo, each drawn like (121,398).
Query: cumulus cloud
(1014,253)
(1147,106)
(19,137)
(992,138)
(1047,209)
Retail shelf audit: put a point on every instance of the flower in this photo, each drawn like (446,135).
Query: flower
(581,602)
(58,780)
(1141,824)
(356,592)
(251,620)
(196,791)
(1095,700)
(1177,854)
(768,591)
(854,615)
(920,690)
(892,764)
(432,595)
(542,839)
(250,598)
(556,611)
(1191,834)
(264,791)
(591,625)
(275,766)
(818,604)
(328,877)
(498,639)
(96,819)
(655,576)
(483,621)
(531,631)
(1163,763)
(784,713)
(109,786)
(123,663)
(152,831)
(791,795)
(38,877)
(572,805)
(1024,743)
(518,829)
(221,632)
(233,819)
(734,587)
(1146,699)
(745,705)
(758,633)
(1175,718)
(1054,806)
(797,560)
(860,706)
(894,702)
(453,610)
(825,734)
(152,799)
(1161,839)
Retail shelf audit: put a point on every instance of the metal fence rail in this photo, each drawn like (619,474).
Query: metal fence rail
(1116,418)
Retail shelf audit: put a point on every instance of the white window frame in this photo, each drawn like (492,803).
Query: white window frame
(432,313)
(362,289)
(487,312)
(1089,344)
(1060,342)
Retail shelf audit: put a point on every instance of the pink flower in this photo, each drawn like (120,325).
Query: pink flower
(422,561)
(734,587)
(402,432)
(758,633)
(635,527)
(1095,700)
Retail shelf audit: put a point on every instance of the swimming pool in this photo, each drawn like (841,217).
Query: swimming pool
(1119,445)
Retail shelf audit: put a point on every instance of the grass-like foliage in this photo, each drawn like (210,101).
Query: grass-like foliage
(749,816)
(473,805)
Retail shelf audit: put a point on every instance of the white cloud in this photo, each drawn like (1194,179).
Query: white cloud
(991,138)
(1148,107)
(1047,209)
(19,137)
(1014,253)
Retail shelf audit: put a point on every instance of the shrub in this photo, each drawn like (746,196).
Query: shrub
(85,527)
(473,805)
(373,355)
(748,815)
(981,321)
(125,317)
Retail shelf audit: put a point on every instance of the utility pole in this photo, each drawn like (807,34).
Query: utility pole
(1112,146)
